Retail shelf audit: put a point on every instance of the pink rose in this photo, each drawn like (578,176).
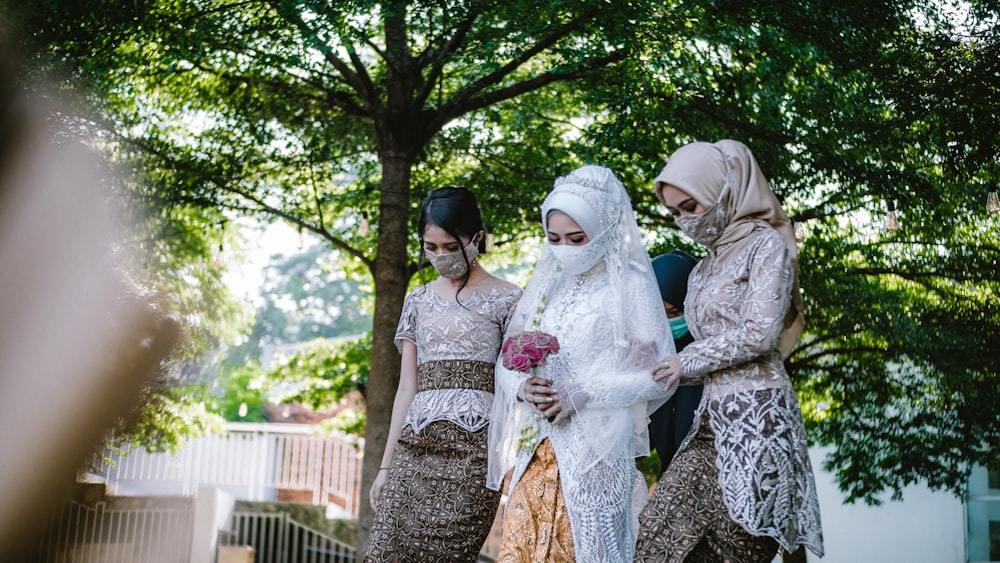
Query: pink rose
(520,362)
(547,342)
(528,349)
(510,351)
(543,340)
(533,353)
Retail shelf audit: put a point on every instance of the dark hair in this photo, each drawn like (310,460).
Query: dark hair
(456,211)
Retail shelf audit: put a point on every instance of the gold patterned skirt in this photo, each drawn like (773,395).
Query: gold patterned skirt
(535,524)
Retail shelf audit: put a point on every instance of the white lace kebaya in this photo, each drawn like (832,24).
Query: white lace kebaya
(611,328)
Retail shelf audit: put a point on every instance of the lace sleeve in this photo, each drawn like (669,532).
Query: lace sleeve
(407,327)
(744,315)
(509,300)
(625,389)
(623,375)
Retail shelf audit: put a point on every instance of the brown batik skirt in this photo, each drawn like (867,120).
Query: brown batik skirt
(435,505)
(535,523)
(686,518)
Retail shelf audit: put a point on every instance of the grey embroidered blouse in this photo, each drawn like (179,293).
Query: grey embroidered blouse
(444,329)
(735,307)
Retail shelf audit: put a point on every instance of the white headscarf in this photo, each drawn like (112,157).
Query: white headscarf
(597,201)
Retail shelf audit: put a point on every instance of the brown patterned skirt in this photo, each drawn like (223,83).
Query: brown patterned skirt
(686,518)
(435,505)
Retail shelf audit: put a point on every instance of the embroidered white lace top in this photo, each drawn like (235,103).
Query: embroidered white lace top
(444,329)
(734,309)
(597,446)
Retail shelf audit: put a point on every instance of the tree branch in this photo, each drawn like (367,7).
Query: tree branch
(921,277)
(261,205)
(333,98)
(359,81)
(316,197)
(435,57)
(797,364)
(514,90)
(526,55)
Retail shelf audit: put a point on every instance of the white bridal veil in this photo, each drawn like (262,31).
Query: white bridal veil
(618,300)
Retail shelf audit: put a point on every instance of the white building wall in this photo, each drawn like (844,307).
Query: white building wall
(925,527)
(212,510)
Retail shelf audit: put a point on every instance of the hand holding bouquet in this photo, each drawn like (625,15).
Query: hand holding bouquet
(524,352)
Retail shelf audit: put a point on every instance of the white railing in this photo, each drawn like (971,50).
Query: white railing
(103,534)
(256,462)
(277,538)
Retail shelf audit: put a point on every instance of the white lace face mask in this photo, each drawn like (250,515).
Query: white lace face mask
(454,266)
(577,259)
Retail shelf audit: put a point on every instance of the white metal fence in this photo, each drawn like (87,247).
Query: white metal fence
(103,534)
(277,538)
(256,462)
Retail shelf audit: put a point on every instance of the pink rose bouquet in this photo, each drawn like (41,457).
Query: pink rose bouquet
(527,350)
(524,352)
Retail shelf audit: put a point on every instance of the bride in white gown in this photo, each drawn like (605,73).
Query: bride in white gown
(572,435)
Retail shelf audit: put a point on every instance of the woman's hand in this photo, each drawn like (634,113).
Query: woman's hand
(538,393)
(376,491)
(668,369)
(555,405)
(568,400)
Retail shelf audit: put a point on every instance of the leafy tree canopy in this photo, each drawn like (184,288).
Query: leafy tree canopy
(309,295)
(328,114)
(855,110)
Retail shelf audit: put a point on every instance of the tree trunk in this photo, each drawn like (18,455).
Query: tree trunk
(390,289)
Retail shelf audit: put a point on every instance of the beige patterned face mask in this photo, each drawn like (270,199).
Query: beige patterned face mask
(707,228)
(455,265)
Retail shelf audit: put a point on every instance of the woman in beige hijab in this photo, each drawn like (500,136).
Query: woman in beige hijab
(741,484)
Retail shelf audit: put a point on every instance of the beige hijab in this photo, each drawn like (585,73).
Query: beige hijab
(705,171)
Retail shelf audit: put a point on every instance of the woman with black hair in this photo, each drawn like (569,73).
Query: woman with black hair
(430,497)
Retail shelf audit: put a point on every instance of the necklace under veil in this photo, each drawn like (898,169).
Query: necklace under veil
(630,299)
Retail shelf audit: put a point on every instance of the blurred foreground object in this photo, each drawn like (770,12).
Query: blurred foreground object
(76,346)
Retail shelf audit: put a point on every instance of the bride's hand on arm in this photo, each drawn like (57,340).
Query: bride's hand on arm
(553,404)
(668,370)
(569,399)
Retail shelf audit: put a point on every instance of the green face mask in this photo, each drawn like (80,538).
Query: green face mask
(678,327)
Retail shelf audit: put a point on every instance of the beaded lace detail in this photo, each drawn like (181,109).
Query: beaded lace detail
(611,328)
(596,448)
